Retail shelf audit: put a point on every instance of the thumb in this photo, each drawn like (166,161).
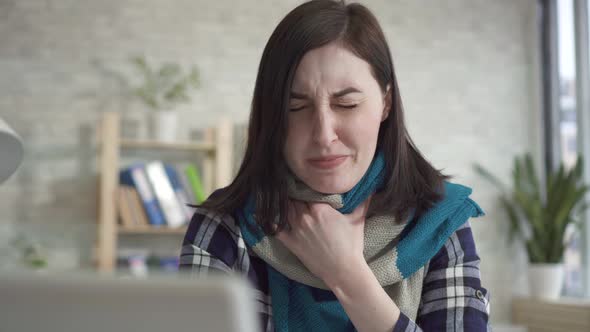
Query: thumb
(364,206)
(360,211)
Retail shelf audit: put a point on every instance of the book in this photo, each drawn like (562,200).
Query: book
(137,208)
(133,262)
(136,176)
(195,182)
(180,171)
(179,191)
(169,264)
(164,193)
(124,207)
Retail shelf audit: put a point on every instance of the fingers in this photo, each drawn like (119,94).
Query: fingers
(299,210)
(303,208)
(319,210)
(295,210)
(303,214)
(286,236)
(291,212)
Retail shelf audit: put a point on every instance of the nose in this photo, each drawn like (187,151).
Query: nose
(324,126)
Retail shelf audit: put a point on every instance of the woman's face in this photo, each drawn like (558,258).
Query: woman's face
(336,108)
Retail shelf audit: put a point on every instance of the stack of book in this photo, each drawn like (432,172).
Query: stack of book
(157,194)
(142,262)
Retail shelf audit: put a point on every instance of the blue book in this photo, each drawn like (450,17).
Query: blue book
(135,176)
(165,195)
(178,188)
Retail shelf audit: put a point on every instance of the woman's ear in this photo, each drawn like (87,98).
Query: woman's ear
(386,103)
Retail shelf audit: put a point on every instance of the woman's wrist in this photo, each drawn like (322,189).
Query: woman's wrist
(364,299)
(346,281)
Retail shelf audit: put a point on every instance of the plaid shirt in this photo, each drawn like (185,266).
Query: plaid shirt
(452,296)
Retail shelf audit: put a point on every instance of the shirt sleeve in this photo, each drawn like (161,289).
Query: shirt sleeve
(209,245)
(452,296)
(213,244)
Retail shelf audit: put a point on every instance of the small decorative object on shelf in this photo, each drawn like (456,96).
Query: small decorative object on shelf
(161,90)
(135,200)
(33,255)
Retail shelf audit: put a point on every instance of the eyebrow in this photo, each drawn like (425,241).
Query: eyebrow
(297,95)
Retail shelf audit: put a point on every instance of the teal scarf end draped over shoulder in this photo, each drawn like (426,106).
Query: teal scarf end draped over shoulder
(301,302)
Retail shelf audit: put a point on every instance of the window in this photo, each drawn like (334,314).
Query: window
(573,76)
(568,128)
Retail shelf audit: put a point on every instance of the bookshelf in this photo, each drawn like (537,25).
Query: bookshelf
(216,172)
(151,230)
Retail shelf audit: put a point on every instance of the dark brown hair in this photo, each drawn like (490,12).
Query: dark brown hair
(411,183)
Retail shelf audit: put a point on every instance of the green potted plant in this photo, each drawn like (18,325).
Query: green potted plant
(161,90)
(32,255)
(539,215)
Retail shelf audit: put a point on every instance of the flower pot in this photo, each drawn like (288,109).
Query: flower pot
(546,280)
(165,125)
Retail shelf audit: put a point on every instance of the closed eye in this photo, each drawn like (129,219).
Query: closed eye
(296,109)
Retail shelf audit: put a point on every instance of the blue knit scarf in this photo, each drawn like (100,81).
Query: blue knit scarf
(302,305)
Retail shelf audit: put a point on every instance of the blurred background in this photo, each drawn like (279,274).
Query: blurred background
(88,86)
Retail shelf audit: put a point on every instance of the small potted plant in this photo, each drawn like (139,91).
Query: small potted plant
(32,255)
(539,215)
(161,90)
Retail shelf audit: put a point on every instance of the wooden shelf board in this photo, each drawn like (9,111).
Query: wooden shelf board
(151,230)
(152,144)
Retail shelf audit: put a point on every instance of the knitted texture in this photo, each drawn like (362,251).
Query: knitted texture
(302,302)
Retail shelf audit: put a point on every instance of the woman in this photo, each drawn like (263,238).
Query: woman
(334,216)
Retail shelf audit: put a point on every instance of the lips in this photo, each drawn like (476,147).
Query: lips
(328,162)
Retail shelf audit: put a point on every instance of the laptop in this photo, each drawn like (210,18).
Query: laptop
(92,303)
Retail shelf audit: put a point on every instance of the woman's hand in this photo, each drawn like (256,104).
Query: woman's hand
(330,244)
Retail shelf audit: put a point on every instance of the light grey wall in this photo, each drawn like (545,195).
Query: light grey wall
(468,72)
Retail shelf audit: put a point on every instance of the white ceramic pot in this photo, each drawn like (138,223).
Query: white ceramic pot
(165,125)
(546,280)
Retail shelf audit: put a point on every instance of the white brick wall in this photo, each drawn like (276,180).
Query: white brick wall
(468,72)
